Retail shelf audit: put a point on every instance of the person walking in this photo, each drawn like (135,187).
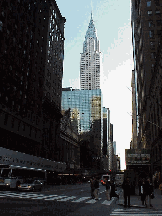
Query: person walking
(92,187)
(96,188)
(143,192)
(149,191)
(126,188)
(108,188)
(140,182)
(160,187)
(112,191)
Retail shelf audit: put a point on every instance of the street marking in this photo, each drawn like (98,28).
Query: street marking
(81,199)
(93,201)
(127,210)
(107,202)
(135,214)
(68,198)
(54,198)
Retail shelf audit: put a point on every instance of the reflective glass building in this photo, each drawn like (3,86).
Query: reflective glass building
(85,106)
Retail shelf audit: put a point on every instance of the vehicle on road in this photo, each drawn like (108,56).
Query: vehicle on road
(30,185)
(13,182)
(103,178)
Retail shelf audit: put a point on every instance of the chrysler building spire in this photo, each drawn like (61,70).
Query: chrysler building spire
(90,59)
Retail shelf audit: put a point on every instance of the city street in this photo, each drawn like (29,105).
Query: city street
(56,200)
(73,200)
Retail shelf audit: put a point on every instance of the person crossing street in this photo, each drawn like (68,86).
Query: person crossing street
(108,189)
(96,188)
(126,188)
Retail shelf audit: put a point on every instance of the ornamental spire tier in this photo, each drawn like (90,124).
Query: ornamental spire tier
(90,60)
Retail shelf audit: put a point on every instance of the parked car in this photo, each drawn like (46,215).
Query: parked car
(30,185)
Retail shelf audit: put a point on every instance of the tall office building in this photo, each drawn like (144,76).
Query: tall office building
(32,46)
(146,23)
(90,60)
(146,34)
(85,113)
(114,147)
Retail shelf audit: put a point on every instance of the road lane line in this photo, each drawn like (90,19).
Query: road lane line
(80,199)
(68,198)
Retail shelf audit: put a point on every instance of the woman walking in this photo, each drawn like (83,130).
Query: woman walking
(148,191)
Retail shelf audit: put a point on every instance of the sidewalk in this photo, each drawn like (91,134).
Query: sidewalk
(135,200)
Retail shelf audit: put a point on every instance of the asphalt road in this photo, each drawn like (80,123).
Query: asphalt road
(69,200)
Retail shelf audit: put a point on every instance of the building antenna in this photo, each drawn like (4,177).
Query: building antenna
(91,9)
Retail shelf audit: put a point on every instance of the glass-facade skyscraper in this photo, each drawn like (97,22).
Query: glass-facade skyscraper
(86,113)
(85,106)
(90,60)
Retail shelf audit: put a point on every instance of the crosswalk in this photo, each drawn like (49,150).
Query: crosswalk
(59,198)
(135,212)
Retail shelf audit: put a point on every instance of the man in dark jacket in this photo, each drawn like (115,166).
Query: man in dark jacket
(92,187)
(96,188)
(107,189)
(113,188)
(126,188)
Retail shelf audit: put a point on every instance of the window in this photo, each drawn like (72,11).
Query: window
(152,45)
(159,22)
(149,13)
(159,32)
(151,24)
(157,12)
(152,55)
(149,4)
(151,34)
(1,25)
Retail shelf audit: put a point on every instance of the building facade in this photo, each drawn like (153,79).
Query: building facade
(31,76)
(110,147)
(86,115)
(146,38)
(90,62)
(134,111)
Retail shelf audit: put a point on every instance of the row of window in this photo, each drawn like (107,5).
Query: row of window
(156,12)
(152,24)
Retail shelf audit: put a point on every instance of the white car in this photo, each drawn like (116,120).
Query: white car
(30,185)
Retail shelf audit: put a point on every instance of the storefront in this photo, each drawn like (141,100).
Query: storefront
(139,161)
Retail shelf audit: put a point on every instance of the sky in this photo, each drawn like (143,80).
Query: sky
(112,20)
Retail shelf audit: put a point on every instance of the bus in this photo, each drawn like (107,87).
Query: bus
(103,179)
(13,176)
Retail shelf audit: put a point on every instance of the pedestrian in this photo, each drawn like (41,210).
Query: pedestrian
(126,188)
(92,187)
(149,191)
(143,192)
(108,189)
(160,187)
(96,188)
(140,182)
(112,189)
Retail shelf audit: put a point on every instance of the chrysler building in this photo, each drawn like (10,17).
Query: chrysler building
(90,60)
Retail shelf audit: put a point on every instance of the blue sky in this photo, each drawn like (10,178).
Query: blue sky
(112,20)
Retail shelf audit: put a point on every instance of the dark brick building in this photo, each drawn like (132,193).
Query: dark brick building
(146,38)
(31,69)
